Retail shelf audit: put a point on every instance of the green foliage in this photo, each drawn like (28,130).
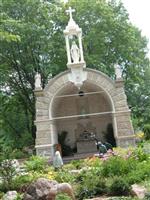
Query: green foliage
(1,194)
(119,186)
(21,182)
(123,198)
(36,163)
(78,164)
(147,196)
(140,154)
(64,175)
(90,183)
(7,174)
(62,197)
(117,166)
(19,197)
(140,173)
(146,184)
(146,130)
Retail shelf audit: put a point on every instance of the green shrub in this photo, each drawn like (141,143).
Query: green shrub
(21,182)
(7,174)
(140,173)
(17,154)
(36,163)
(64,176)
(139,154)
(1,193)
(62,197)
(90,184)
(119,186)
(117,166)
(78,164)
(19,197)
(146,130)
(147,196)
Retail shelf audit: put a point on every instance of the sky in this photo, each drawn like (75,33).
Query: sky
(139,15)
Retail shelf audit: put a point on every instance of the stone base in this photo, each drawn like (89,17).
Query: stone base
(86,146)
(45,150)
(125,142)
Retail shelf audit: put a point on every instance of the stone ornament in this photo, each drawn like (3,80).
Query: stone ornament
(38,81)
(118,71)
(75,51)
(72,30)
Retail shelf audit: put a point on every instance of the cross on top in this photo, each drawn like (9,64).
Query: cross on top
(70,11)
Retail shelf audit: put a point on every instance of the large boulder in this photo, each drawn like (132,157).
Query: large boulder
(40,190)
(65,188)
(138,191)
(10,195)
(44,189)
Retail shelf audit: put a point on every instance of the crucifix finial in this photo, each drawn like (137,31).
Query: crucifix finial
(70,11)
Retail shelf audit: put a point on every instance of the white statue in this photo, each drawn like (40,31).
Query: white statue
(38,81)
(75,52)
(118,71)
(57,160)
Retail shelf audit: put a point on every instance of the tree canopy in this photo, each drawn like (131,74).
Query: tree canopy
(32,40)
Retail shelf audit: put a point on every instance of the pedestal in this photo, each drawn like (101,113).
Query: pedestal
(86,146)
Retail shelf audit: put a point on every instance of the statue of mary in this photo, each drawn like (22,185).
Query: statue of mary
(75,52)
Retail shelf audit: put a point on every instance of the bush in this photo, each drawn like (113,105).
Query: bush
(64,176)
(62,197)
(146,130)
(78,164)
(119,187)
(20,183)
(117,166)
(36,163)
(1,193)
(90,184)
(7,174)
(140,173)
(17,154)
(147,196)
(140,155)
(19,197)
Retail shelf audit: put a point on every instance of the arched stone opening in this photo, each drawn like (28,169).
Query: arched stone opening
(58,108)
(80,113)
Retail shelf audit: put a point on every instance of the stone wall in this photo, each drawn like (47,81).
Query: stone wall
(112,99)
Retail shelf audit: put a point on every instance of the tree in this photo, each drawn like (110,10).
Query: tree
(35,42)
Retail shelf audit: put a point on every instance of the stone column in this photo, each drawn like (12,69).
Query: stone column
(68,48)
(80,46)
(114,122)
(43,138)
(43,142)
(125,132)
